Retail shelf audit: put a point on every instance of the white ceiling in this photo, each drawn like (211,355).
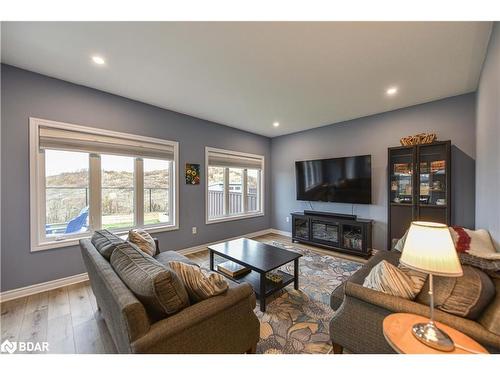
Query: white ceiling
(249,74)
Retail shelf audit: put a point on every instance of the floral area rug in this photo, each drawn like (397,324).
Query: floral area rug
(296,321)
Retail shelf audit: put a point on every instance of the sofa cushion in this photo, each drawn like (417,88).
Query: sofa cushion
(173,256)
(105,242)
(199,284)
(389,279)
(465,296)
(490,318)
(142,240)
(155,285)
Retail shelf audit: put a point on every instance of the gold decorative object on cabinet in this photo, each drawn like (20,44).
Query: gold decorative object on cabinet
(418,139)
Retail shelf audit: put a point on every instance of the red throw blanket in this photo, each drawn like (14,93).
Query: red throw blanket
(463,243)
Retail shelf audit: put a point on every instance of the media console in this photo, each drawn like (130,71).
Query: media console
(339,232)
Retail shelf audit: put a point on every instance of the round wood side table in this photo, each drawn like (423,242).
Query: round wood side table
(397,331)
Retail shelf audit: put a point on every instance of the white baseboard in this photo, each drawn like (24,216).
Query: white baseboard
(65,281)
(282,232)
(195,249)
(42,287)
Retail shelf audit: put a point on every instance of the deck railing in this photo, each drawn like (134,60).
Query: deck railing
(78,197)
(216,203)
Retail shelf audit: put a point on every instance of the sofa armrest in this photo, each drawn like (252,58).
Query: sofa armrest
(401,305)
(224,323)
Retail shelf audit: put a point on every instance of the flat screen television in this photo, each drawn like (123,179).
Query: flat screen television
(344,180)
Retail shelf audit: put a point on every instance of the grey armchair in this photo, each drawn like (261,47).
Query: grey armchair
(357,323)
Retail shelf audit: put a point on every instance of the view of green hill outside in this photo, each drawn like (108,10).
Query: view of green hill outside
(67,195)
(67,192)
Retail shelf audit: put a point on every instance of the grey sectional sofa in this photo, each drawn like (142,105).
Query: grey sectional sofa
(221,324)
(357,323)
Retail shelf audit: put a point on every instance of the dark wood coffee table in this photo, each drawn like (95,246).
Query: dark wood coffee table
(260,258)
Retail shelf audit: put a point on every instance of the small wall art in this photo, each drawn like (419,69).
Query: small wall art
(192,174)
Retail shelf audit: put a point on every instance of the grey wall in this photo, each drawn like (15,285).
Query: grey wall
(488,141)
(452,118)
(26,94)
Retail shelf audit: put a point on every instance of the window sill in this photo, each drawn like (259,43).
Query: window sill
(223,219)
(74,241)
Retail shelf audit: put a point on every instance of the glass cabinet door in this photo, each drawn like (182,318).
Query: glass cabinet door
(301,227)
(432,176)
(352,237)
(401,176)
(324,232)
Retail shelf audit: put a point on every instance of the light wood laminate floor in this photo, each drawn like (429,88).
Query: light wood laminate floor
(68,317)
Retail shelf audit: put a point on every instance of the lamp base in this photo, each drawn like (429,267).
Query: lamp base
(432,336)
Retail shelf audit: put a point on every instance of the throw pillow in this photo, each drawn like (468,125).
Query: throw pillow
(200,284)
(389,279)
(465,296)
(105,242)
(158,287)
(418,278)
(401,242)
(142,240)
(474,242)
(476,249)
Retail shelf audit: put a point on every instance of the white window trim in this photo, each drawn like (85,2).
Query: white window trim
(261,195)
(37,184)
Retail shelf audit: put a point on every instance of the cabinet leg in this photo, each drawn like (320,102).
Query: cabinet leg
(337,349)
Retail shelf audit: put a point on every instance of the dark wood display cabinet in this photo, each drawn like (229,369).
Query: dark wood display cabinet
(343,233)
(419,186)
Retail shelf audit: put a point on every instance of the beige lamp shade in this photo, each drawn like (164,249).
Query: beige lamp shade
(429,248)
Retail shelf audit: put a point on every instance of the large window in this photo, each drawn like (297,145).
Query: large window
(83,179)
(234,185)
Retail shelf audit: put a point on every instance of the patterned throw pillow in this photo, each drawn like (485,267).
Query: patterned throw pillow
(401,242)
(474,248)
(142,240)
(474,242)
(418,278)
(389,279)
(199,284)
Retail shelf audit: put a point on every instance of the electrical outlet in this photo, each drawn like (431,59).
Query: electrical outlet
(194,230)
(287,219)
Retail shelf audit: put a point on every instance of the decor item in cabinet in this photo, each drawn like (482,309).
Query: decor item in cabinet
(419,186)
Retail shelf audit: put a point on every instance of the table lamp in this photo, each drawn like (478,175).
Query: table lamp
(429,248)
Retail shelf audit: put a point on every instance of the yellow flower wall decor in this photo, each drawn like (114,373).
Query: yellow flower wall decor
(192,174)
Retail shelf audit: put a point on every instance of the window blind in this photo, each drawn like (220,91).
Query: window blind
(228,159)
(74,140)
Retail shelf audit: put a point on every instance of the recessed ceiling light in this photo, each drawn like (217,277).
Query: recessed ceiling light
(392,91)
(276,124)
(98,60)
